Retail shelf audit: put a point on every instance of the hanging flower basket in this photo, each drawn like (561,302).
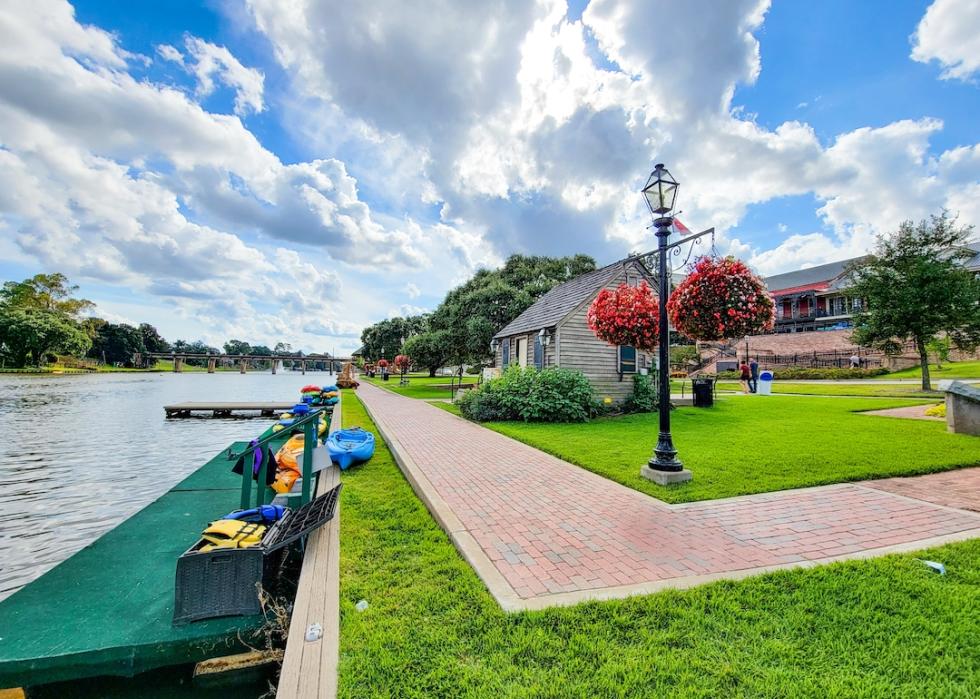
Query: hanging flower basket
(402,362)
(382,362)
(626,316)
(721,299)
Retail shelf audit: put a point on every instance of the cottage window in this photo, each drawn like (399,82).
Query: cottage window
(538,353)
(505,353)
(627,360)
(856,304)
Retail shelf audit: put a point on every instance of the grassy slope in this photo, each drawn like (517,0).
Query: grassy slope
(950,370)
(881,628)
(747,445)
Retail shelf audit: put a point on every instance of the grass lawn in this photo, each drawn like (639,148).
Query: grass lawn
(881,628)
(843,389)
(950,370)
(419,386)
(754,445)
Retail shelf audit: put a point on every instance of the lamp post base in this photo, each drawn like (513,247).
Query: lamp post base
(666,477)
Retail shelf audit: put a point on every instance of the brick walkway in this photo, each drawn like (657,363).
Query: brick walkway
(959,489)
(540,531)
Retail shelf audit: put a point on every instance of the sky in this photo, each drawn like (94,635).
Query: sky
(293,172)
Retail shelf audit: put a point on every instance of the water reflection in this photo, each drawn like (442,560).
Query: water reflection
(79,453)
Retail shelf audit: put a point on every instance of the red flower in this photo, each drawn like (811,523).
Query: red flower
(720,288)
(626,316)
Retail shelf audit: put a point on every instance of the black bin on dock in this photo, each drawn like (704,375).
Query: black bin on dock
(704,392)
(224,581)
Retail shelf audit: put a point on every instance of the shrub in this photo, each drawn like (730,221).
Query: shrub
(551,395)
(937,410)
(643,399)
(790,373)
(482,405)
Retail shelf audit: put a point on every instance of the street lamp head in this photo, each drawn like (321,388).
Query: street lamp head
(660,191)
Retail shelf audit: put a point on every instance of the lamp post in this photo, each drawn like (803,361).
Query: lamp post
(660,193)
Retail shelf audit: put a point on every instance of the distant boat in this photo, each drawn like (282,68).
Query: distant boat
(351,446)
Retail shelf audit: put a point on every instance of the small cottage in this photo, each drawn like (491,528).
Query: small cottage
(554,332)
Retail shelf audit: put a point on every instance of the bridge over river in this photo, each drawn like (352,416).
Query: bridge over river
(332,364)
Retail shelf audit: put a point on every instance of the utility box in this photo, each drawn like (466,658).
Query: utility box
(224,581)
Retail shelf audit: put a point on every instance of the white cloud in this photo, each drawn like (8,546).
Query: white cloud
(949,33)
(553,162)
(525,131)
(170,53)
(216,62)
(108,177)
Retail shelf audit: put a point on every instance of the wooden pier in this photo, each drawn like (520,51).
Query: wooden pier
(248,409)
(309,665)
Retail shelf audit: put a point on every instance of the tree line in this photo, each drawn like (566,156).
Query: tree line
(41,318)
(459,330)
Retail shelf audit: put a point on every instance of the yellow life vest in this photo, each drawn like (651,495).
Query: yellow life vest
(232,534)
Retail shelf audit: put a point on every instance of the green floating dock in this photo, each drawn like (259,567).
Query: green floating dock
(107,610)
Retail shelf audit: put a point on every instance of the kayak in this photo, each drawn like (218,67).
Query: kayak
(351,446)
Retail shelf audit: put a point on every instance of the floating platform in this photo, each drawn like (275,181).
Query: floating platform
(108,609)
(258,409)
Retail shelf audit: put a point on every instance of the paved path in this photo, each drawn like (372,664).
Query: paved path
(911,412)
(958,489)
(540,531)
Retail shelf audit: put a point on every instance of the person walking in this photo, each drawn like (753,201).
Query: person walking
(754,375)
(744,375)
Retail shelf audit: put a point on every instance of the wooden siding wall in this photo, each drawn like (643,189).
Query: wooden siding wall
(579,349)
(549,351)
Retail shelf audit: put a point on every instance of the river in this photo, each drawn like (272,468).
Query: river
(80,453)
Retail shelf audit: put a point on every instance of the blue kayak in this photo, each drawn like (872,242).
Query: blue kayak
(351,446)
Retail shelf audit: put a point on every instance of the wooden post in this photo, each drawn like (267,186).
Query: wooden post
(246,480)
(274,363)
(211,363)
(309,443)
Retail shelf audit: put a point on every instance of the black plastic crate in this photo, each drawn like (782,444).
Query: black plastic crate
(225,581)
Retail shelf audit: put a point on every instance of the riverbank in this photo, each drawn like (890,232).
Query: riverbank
(162,366)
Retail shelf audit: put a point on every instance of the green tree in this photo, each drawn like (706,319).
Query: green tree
(387,336)
(47,292)
(152,340)
(30,334)
(116,344)
(39,316)
(916,288)
(430,350)
(237,347)
(475,311)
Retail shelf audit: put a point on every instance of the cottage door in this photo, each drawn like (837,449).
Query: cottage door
(522,351)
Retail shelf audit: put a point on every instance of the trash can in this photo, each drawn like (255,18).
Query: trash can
(765,384)
(704,396)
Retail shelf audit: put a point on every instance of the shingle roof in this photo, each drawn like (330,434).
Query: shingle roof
(560,301)
(974,263)
(805,277)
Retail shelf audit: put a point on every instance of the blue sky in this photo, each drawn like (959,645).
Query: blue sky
(295,172)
